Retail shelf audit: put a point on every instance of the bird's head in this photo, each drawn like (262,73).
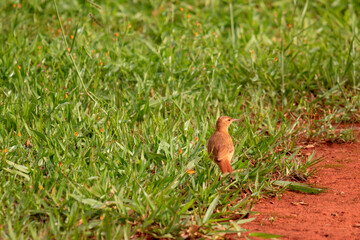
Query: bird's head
(224,122)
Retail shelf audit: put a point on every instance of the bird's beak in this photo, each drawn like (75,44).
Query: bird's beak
(236,120)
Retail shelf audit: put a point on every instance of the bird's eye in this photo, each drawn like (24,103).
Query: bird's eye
(229,119)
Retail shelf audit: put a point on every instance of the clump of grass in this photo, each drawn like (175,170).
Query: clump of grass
(104,117)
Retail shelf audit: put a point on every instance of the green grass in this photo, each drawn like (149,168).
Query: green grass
(96,140)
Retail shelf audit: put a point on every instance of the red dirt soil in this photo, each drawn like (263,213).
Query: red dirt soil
(334,214)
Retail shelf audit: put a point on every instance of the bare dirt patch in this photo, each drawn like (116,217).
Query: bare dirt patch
(334,214)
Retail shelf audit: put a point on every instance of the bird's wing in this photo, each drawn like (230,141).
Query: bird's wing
(224,152)
(221,147)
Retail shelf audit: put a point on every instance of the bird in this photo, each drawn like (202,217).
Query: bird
(220,146)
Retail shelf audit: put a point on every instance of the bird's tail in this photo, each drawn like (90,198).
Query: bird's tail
(225,166)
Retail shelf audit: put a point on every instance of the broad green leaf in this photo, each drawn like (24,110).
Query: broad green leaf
(186,207)
(40,135)
(211,209)
(18,173)
(301,187)
(19,167)
(92,203)
(242,221)
(264,235)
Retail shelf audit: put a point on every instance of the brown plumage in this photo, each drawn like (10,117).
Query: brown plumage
(220,146)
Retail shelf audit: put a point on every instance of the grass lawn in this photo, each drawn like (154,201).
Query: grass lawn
(106,108)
